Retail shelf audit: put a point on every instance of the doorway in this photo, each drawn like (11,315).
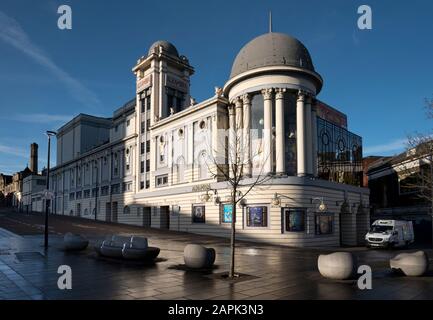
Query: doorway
(108,212)
(78,209)
(114,212)
(146,217)
(164,213)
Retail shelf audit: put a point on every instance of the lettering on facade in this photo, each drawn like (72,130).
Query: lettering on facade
(144,83)
(176,83)
(201,187)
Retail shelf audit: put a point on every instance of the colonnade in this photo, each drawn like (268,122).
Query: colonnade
(306,132)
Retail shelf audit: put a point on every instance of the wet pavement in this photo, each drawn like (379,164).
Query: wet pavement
(27,271)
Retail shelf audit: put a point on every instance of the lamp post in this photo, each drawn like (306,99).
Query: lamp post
(49,135)
(96,191)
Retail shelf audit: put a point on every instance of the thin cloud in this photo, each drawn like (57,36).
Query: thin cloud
(39,118)
(15,151)
(12,34)
(392,147)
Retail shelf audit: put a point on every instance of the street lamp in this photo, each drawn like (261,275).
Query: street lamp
(49,135)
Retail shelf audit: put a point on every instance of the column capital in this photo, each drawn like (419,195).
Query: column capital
(231,108)
(246,98)
(238,102)
(301,95)
(267,93)
(279,93)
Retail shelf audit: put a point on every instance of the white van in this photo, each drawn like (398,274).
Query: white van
(390,233)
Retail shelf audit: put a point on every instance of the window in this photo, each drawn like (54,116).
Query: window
(115,188)
(142,148)
(148,103)
(116,128)
(147,165)
(198,214)
(86,194)
(202,166)
(126,210)
(95,192)
(142,127)
(71,196)
(257,216)
(141,184)
(294,220)
(128,122)
(78,195)
(127,186)
(104,191)
(324,223)
(162,180)
(148,146)
(142,166)
(147,184)
(226,213)
(147,124)
(180,170)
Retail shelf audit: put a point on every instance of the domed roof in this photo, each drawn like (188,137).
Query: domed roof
(272,49)
(171,49)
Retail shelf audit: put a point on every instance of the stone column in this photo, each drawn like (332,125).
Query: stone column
(309,139)
(232,137)
(280,145)
(267,136)
(246,98)
(301,135)
(314,138)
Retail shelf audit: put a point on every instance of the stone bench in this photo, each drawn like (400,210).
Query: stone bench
(74,242)
(411,264)
(198,257)
(337,265)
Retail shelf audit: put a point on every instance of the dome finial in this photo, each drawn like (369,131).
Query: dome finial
(270,21)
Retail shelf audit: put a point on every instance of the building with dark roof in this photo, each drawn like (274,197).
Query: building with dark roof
(156,167)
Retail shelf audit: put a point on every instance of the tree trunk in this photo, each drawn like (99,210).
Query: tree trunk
(233,235)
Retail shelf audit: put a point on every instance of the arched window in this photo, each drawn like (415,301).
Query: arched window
(180,169)
(203,171)
(126,210)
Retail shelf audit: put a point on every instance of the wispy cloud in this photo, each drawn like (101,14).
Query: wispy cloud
(387,148)
(13,34)
(15,151)
(38,118)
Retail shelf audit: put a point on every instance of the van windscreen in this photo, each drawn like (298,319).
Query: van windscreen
(379,229)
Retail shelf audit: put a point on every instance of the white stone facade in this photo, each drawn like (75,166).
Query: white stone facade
(157,167)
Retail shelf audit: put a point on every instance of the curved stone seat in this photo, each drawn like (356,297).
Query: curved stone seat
(411,264)
(197,256)
(74,242)
(337,265)
(150,253)
(113,248)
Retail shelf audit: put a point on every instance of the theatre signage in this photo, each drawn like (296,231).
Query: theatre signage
(176,83)
(144,83)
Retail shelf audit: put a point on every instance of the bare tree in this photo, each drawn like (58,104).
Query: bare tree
(232,163)
(419,165)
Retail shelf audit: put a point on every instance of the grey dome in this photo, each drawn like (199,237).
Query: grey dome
(272,49)
(171,49)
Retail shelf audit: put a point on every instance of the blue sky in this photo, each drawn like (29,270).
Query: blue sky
(379,78)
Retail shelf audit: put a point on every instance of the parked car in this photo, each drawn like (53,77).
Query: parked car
(390,233)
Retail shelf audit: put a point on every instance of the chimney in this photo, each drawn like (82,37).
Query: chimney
(34,158)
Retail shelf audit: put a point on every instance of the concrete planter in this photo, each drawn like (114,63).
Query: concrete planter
(198,257)
(337,265)
(74,242)
(411,264)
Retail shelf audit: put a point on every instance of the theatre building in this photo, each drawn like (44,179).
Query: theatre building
(151,164)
